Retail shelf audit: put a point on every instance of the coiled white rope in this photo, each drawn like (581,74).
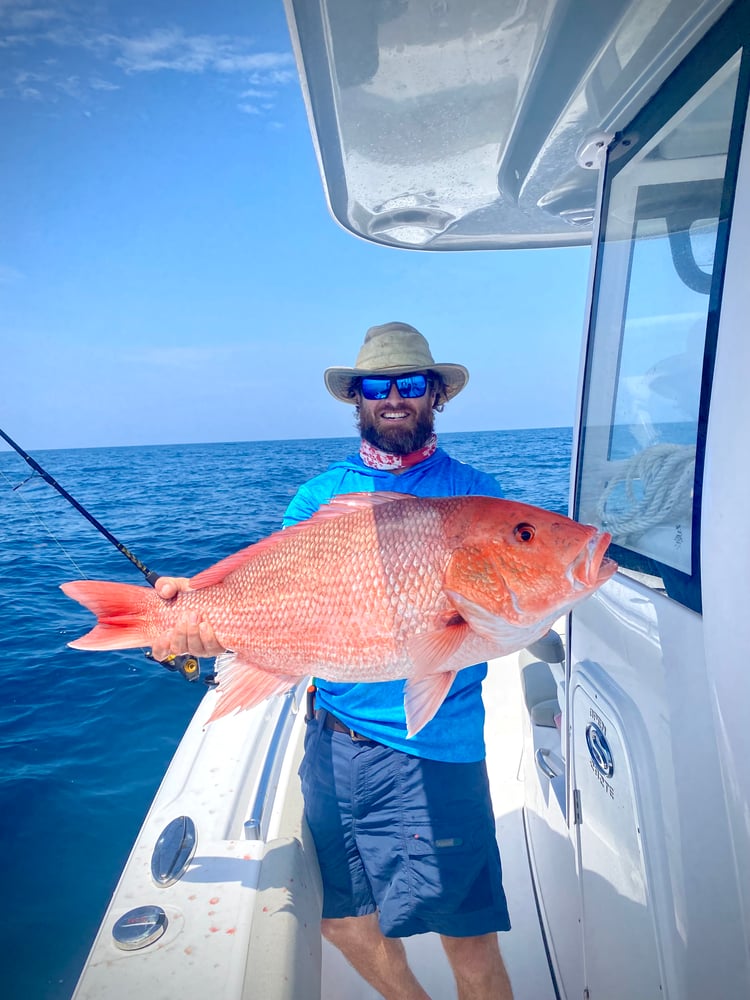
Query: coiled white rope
(666,473)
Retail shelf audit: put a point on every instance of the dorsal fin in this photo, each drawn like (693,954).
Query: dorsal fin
(216,573)
(347,503)
(338,506)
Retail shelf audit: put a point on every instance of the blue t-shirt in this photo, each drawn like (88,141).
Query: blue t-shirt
(456,732)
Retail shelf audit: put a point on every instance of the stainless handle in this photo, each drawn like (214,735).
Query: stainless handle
(549,763)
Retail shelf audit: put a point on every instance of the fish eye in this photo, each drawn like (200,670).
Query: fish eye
(524,532)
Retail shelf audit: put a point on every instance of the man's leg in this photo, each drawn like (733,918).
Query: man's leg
(381,961)
(478,967)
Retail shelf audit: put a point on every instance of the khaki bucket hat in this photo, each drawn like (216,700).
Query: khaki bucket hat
(389,350)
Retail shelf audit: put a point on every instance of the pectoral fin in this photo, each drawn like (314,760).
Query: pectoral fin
(422,699)
(429,651)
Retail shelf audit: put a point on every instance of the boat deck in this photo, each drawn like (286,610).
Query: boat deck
(242,922)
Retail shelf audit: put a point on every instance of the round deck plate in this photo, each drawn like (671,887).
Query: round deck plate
(139,928)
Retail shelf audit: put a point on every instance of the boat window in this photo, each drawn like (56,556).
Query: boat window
(654,316)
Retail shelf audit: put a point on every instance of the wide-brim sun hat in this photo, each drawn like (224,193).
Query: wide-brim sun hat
(391,349)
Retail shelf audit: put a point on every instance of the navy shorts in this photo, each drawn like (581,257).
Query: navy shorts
(408,838)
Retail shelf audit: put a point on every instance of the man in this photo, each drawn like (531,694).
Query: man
(404,830)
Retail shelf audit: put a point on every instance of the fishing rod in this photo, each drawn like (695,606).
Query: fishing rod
(186,664)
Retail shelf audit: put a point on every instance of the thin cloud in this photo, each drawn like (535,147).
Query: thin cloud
(256,101)
(21,15)
(172,49)
(82,59)
(96,83)
(72,86)
(261,95)
(29,86)
(177,357)
(274,75)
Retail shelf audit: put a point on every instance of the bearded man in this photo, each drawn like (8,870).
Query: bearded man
(404,828)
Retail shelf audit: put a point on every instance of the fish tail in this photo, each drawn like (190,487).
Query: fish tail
(121,609)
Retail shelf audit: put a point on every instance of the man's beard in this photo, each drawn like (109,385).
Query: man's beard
(394,438)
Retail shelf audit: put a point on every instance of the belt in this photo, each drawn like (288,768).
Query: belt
(331,722)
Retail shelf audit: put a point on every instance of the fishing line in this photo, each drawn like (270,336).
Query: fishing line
(150,575)
(31,510)
(186,664)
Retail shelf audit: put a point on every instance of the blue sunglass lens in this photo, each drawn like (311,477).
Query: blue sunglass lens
(375,388)
(409,386)
(412,387)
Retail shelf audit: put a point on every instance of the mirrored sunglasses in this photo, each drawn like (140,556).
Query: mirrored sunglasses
(379,386)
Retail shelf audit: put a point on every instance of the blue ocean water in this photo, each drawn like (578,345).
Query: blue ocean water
(85,737)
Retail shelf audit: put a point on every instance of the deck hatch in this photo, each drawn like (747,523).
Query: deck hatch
(174,851)
(139,928)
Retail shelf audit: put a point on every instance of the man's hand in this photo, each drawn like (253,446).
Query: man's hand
(189,634)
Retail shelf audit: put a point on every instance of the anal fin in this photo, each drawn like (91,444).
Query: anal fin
(243,684)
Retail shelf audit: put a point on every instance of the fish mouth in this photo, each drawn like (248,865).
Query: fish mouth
(592,567)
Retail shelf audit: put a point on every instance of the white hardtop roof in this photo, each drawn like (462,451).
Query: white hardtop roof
(448,125)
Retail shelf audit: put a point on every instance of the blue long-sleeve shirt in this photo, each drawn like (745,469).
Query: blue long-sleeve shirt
(376,710)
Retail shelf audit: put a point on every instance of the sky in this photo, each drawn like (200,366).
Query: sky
(169,270)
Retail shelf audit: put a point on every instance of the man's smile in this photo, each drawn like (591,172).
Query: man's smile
(395,414)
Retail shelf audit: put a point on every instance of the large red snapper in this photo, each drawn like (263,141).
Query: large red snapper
(374,587)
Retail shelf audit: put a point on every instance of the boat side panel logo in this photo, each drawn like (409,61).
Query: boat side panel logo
(601,755)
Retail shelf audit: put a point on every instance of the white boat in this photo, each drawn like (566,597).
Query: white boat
(618,757)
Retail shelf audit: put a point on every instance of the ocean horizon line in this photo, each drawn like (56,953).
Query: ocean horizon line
(4,448)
